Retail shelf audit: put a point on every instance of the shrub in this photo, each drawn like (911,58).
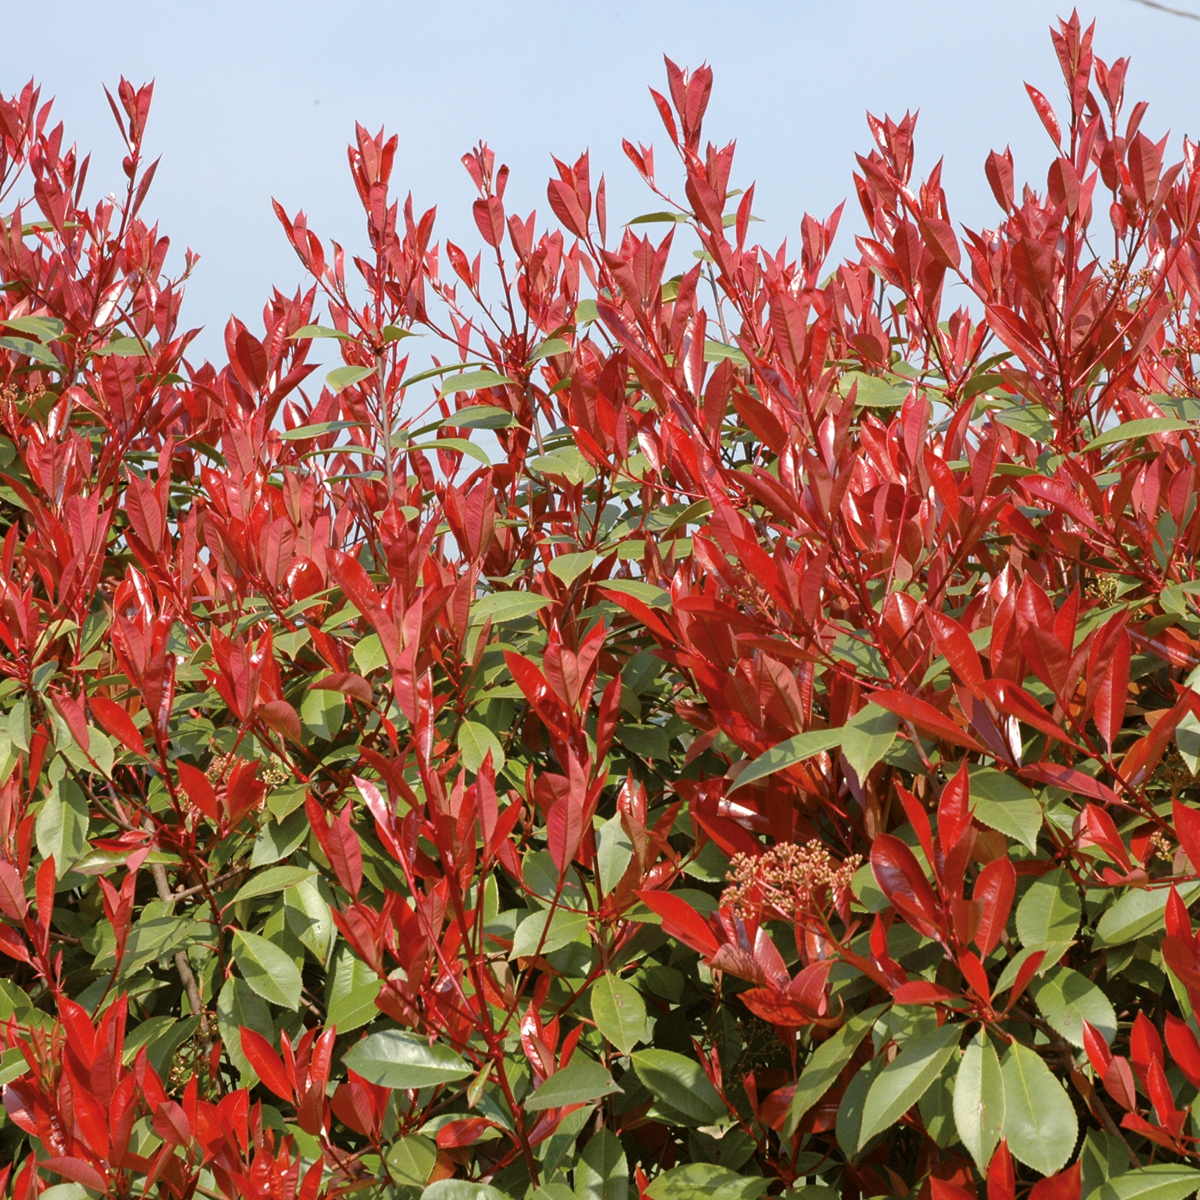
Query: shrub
(726,732)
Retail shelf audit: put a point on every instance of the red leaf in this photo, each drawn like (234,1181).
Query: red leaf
(348,683)
(902,881)
(680,920)
(1187,829)
(564,829)
(919,991)
(199,790)
(1184,1048)
(954,645)
(996,887)
(282,718)
(465,1132)
(267,1065)
(1001,1178)
(1099,1055)
(940,1189)
(1066,1185)
(171,1124)
(925,717)
(117,722)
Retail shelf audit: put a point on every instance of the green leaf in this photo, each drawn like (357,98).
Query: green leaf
(341,378)
(277,879)
(322,331)
(1049,911)
(507,606)
(481,416)
(305,432)
(45,329)
(1187,739)
(61,828)
(411,1160)
(1067,999)
(619,1012)
(352,991)
(586,311)
(396,1059)
(639,589)
(309,912)
(1003,802)
(566,926)
(472,381)
(937,1106)
(475,741)
(903,1081)
(658,218)
(706,1181)
(237,1005)
(547,348)
(794,750)
(568,463)
(867,736)
(826,1064)
(33,350)
(681,1084)
(461,1189)
(278,840)
(122,347)
(979,1100)
(584,1079)
(369,654)
(1039,1120)
(602,1172)
(716,351)
(1142,427)
(849,1123)
(322,713)
(1162,1181)
(459,445)
(1139,912)
(873,392)
(267,969)
(568,567)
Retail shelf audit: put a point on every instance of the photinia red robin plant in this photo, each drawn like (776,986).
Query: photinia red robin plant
(730,729)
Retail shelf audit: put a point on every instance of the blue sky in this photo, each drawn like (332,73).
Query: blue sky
(255,100)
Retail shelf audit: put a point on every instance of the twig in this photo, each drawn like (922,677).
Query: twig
(1175,12)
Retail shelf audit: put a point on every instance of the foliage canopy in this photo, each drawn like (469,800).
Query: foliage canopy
(725,733)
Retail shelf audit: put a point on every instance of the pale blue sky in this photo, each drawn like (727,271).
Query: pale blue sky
(255,100)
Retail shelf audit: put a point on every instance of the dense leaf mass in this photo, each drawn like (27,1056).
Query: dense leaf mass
(721,731)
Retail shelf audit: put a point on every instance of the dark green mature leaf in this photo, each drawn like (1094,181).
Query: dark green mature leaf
(507,606)
(681,1084)
(396,1059)
(1139,912)
(979,1105)
(582,1080)
(1141,427)
(1049,911)
(903,1081)
(706,1181)
(1162,1181)
(341,378)
(1067,999)
(619,1012)
(275,879)
(788,753)
(827,1063)
(271,972)
(461,1189)
(1039,1120)
(1001,801)
(602,1172)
